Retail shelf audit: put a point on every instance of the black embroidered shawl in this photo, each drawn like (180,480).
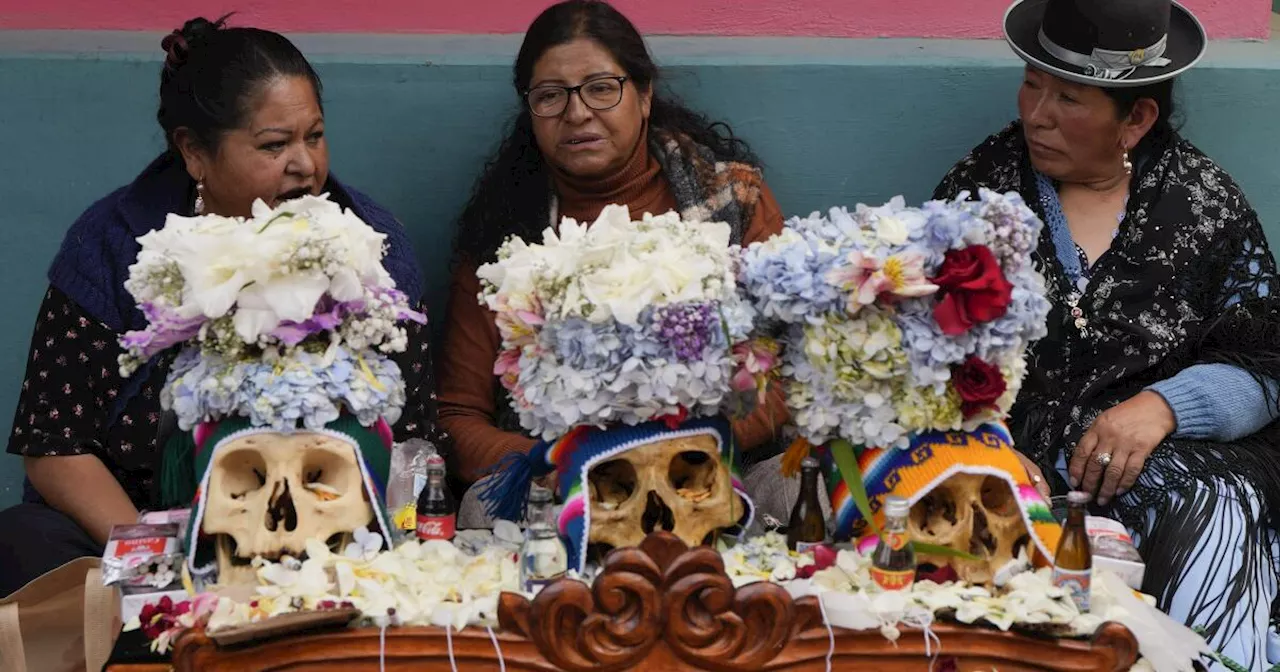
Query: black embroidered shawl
(1187,280)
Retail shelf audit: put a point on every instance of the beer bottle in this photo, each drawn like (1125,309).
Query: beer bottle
(1073,561)
(543,557)
(893,564)
(806,528)
(437,516)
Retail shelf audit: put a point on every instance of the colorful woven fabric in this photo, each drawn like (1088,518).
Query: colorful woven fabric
(373,452)
(931,459)
(573,455)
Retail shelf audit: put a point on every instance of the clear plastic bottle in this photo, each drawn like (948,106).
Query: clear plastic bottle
(408,475)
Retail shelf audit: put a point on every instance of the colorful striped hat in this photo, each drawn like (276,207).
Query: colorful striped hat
(573,455)
(931,459)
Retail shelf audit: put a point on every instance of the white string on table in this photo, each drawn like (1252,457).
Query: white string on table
(382,649)
(923,619)
(831,634)
(502,663)
(448,634)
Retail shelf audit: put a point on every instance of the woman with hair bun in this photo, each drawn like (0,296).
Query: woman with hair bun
(242,116)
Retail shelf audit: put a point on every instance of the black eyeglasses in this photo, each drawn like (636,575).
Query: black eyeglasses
(598,94)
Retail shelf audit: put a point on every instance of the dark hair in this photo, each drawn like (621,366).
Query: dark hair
(1166,127)
(211,73)
(511,195)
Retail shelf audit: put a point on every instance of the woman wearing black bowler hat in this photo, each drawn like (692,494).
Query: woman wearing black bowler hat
(1156,388)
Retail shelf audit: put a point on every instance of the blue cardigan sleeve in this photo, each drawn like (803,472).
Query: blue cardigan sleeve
(1218,402)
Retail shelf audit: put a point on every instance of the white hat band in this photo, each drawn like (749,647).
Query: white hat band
(1108,63)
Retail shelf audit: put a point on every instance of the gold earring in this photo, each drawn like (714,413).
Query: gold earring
(200,197)
(1128,165)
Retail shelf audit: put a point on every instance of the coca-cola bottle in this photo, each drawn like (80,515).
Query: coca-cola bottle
(437,515)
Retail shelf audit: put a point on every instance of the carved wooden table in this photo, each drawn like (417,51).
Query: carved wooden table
(662,606)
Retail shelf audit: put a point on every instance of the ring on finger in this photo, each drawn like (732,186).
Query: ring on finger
(1103,459)
(1036,479)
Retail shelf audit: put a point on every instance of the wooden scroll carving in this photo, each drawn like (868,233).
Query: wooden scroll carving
(664,601)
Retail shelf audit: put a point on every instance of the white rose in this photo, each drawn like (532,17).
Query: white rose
(619,292)
(891,231)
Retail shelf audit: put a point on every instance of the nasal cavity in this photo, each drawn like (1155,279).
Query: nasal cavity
(280,508)
(657,515)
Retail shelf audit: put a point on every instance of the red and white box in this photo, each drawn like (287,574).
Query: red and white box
(1113,550)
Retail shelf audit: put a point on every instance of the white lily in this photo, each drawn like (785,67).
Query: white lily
(346,576)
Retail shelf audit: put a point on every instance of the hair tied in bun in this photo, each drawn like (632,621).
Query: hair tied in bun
(175,48)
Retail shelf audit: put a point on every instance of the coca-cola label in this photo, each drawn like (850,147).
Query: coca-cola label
(436,527)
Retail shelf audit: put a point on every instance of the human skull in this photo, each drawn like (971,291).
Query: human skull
(974,513)
(269,493)
(678,485)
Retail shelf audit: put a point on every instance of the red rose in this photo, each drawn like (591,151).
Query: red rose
(979,385)
(973,289)
(823,557)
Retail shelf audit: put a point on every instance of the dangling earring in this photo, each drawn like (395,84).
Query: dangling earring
(1128,165)
(199,197)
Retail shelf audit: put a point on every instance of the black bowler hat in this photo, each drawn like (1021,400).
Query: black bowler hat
(1106,43)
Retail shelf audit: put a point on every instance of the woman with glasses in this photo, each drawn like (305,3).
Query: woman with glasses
(593,130)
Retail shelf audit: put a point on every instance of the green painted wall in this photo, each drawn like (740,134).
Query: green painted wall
(411,119)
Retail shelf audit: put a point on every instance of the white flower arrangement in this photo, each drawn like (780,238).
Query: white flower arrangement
(851,599)
(290,290)
(620,322)
(457,584)
(445,584)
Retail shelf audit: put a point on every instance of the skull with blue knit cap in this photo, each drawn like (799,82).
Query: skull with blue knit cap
(626,349)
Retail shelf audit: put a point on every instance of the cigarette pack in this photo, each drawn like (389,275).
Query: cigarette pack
(1113,550)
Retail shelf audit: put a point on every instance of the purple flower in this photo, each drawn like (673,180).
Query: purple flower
(165,328)
(328,316)
(687,329)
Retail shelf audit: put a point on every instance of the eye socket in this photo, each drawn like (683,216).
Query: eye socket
(693,475)
(243,472)
(997,497)
(322,474)
(612,483)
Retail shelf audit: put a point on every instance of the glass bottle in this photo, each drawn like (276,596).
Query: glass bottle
(543,557)
(1073,561)
(807,528)
(893,563)
(437,514)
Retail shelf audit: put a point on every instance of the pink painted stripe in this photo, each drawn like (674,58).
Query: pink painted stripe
(804,18)
(574,508)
